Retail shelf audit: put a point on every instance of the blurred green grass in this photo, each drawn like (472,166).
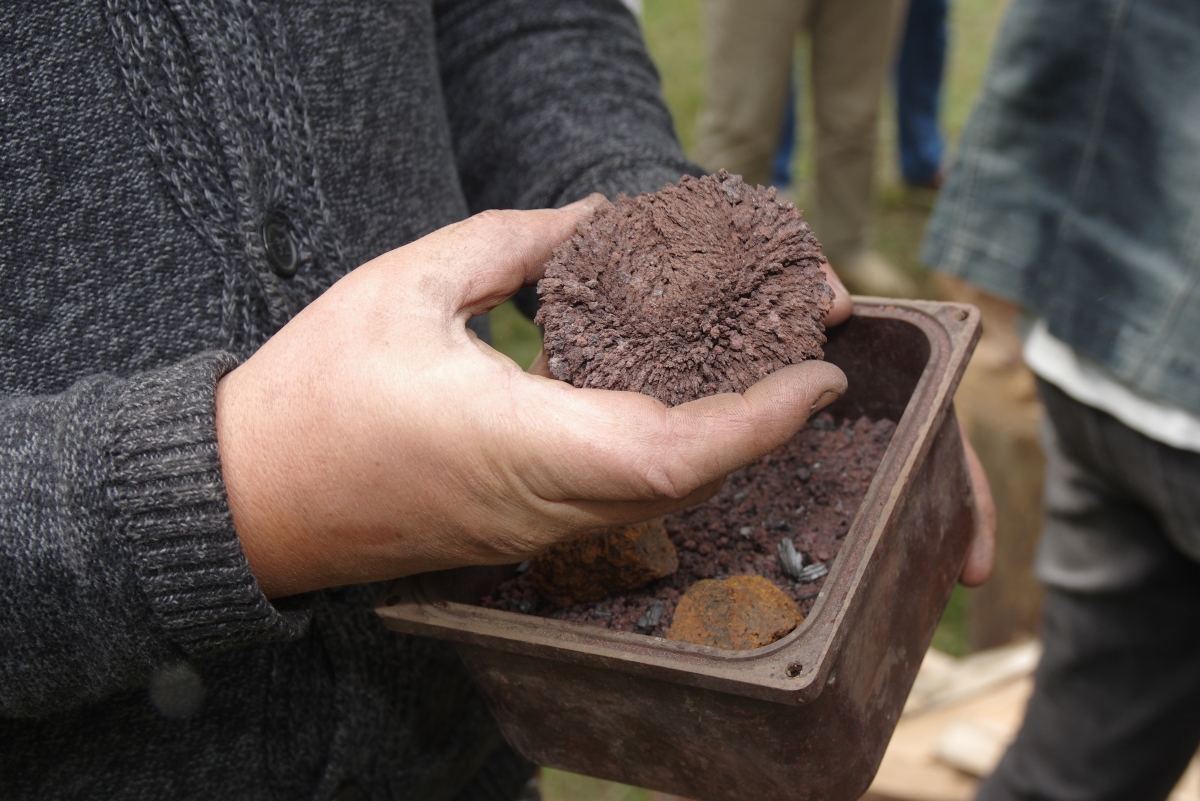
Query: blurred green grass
(674,35)
(558,785)
(514,335)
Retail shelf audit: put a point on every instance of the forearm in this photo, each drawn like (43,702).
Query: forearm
(117,551)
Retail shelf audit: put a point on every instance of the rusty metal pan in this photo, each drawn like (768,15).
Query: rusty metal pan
(807,717)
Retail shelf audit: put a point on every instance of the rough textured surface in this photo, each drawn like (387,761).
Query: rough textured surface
(737,613)
(599,563)
(807,491)
(699,288)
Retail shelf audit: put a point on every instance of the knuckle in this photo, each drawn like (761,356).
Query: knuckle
(666,473)
(666,479)
(495,218)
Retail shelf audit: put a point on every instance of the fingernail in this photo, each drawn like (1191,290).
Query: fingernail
(828,397)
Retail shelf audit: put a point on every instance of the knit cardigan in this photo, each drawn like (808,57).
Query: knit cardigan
(177,179)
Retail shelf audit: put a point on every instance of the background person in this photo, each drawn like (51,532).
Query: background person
(1076,194)
(920,68)
(750,46)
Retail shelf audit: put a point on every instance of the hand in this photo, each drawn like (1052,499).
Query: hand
(843,304)
(374,436)
(983,542)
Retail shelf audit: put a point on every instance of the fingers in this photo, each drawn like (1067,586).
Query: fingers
(716,435)
(592,202)
(476,264)
(843,304)
(981,556)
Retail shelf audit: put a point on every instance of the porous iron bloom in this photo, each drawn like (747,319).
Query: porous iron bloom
(697,289)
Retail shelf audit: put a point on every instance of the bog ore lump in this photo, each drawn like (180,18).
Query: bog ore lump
(699,288)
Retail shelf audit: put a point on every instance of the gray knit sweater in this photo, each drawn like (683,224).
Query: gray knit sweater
(177,179)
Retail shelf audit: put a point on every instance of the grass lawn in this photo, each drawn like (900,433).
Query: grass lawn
(675,38)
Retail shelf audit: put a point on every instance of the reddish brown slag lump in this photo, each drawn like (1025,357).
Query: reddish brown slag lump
(598,563)
(697,289)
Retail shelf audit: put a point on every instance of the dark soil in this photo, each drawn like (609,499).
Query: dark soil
(808,490)
(697,289)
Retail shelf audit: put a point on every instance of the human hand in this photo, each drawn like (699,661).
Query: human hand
(982,554)
(374,436)
(843,304)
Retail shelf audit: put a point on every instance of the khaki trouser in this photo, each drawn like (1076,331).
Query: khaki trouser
(750,45)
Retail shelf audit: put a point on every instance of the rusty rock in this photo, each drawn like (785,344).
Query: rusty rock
(737,613)
(598,563)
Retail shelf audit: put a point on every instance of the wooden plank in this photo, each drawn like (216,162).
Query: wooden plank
(911,770)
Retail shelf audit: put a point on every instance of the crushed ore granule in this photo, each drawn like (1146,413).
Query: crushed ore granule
(808,490)
(700,288)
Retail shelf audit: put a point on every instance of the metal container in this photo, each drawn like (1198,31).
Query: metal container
(807,717)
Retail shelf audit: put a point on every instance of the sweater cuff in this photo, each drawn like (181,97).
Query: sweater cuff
(631,178)
(169,500)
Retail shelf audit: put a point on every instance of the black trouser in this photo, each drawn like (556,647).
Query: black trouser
(1115,712)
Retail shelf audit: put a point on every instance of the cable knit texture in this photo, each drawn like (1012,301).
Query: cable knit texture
(179,180)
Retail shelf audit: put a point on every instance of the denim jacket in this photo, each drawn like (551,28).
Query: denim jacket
(1076,192)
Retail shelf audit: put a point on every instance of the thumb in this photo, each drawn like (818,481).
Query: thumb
(628,447)
(480,262)
(982,553)
(716,435)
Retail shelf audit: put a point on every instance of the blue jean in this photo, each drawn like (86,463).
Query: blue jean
(781,162)
(1115,711)
(919,72)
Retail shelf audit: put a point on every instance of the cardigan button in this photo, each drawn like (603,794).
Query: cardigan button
(279,239)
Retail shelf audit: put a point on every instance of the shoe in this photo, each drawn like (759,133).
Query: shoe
(933,182)
(872,274)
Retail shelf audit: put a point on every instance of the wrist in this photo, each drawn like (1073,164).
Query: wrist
(274,560)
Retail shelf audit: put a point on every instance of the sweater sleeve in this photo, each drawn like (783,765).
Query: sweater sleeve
(117,549)
(550,100)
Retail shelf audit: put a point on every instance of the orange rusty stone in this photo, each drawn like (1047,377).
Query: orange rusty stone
(596,564)
(736,613)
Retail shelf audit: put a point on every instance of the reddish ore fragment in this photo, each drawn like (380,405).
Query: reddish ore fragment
(738,613)
(596,564)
